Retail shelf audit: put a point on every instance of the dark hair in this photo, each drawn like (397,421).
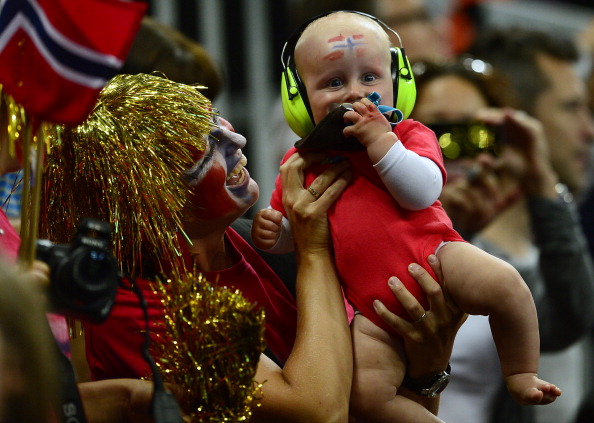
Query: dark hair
(514,53)
(475,71)
(161,48)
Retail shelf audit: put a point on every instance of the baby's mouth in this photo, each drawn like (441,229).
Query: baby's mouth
(237,175)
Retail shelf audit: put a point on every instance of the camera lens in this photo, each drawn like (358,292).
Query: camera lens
(93,271)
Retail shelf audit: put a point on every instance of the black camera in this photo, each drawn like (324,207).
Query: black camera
(467,139)
(84,274)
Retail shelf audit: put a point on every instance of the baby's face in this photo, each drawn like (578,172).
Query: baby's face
(343,59)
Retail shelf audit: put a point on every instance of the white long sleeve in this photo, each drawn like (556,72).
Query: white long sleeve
(414,181)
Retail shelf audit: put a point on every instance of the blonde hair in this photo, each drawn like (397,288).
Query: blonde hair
(124,165)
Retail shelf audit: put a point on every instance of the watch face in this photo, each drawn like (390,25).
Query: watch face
(438,386)
(429,388)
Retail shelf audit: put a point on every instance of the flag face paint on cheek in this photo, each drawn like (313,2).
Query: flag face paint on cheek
(210,198)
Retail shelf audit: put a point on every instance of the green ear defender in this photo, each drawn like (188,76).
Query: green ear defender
(294,95)
(295,106)
(405,90)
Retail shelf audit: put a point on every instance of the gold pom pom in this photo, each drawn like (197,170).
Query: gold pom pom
(211,348)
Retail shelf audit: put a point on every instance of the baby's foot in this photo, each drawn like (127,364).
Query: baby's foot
(528,389)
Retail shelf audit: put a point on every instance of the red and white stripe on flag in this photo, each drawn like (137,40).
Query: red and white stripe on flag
(57,55)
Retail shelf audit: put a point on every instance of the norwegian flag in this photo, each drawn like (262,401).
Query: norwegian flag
(57,55)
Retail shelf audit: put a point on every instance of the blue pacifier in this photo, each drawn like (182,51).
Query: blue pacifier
(375,98)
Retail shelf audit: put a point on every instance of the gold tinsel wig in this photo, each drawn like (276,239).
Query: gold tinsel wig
(124,164)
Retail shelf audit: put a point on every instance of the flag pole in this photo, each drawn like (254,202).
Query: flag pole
(24,251)
(39,146)
(31,195)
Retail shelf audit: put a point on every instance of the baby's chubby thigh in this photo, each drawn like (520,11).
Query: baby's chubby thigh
(477,281)
(379,365)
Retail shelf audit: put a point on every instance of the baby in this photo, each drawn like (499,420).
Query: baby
(390,215)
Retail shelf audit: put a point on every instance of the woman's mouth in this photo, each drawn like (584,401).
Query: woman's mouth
(237,175)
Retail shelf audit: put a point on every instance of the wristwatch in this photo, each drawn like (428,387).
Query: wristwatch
(431,387)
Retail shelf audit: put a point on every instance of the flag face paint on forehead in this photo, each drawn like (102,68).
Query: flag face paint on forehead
(342,44)
(56,59)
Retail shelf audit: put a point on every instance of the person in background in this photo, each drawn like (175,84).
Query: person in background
(163,49)
(508,204)
(424,35)
(542,78)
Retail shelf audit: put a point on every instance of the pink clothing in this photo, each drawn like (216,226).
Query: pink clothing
(374,237)
(10,242)
(114,346)
(9,239)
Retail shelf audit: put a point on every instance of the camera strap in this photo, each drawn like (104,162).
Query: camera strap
(71,407)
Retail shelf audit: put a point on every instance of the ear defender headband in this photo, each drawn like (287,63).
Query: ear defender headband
(294,98)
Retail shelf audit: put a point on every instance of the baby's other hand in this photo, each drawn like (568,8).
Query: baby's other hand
(266,228)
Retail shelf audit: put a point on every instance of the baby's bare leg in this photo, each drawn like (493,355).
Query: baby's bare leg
(483,284)
(379,369)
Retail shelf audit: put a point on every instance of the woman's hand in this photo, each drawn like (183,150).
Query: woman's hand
(307,208)
(525,154)
(428,342)
(474,200)
(489,184)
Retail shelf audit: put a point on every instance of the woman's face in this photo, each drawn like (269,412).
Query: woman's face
(449,98)
(221,185)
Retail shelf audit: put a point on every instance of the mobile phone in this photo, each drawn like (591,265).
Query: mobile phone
(467,138)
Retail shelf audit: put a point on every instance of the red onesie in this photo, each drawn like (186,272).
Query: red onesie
(374,238)
(114,346)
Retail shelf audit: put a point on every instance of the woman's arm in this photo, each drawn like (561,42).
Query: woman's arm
(314,385)
(120,400)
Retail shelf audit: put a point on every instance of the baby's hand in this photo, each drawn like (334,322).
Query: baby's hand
(266,228)
(368,124)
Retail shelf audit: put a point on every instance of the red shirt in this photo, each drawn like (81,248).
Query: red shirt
(114,347)
(374,238)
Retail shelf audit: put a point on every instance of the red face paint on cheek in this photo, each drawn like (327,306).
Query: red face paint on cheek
(210,199)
